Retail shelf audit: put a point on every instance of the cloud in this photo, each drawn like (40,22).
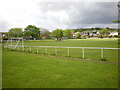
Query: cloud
(80,14)
(53,15)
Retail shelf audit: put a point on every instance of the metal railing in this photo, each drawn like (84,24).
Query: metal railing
(56,52)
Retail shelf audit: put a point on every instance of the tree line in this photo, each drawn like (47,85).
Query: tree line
(34,32)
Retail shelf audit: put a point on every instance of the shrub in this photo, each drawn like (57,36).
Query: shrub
(78,36)
(83,37)
(53,54)
(105,36)
(118,36)
(103,59)
(115,35)
(110,36)
(100,36)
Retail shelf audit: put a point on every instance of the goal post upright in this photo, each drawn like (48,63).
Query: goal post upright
(17,43)
(11,42)
(23,43)
(7,43)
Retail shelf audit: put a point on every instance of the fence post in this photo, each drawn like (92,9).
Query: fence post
(68,51)
(56,50)
(30,49)
(23,48)
(102,53)
(23,43)
(45,50)
(18,48)
(83,53)
(11,42)
(37,49)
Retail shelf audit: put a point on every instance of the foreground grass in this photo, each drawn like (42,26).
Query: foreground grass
(26,70)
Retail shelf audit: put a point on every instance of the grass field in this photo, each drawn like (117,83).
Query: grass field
(75,43)
(110,55)
(31,70)
(27,70)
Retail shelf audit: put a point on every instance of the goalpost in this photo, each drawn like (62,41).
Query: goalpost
(11,42)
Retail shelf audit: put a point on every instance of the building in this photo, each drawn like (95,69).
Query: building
(113,33)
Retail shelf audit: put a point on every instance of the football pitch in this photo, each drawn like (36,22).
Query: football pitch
(31,70)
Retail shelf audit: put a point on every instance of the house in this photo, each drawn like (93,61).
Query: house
(4,35)
(113,33)
(90,33)
(73,35)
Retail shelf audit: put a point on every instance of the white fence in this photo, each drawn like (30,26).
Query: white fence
(56,47)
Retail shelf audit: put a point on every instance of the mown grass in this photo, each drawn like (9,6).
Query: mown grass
(109,55)
(75,43)
(28,70)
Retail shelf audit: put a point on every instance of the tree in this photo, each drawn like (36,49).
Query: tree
(58,33)
(45,34)
(117,21)
(4,35)
(97,28)
(78,35)
(32,31)
(103,31)
(67,33)
(92,28)
(15,32)
(107,28)
(75,30)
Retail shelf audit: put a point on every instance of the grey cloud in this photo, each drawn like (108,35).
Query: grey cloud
(82,13)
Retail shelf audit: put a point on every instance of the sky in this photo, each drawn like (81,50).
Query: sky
(53,14)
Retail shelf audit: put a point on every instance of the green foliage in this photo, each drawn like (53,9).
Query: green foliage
(115,35)
(103,31)
(118,6)
(4,35)
(97,28)
(58,33)
(32,31)
(103,59)
(15,32)
(83,37)
(78,35)
(116,21)
(110,36)
(67,33)
(118,36)
(45,34)
(107,28)
(75,30)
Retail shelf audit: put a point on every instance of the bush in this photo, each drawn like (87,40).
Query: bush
(115,35)
(83,37)
(105,36)
(100,36)
(118,36)
(110,36)
(78,36)
(103,59)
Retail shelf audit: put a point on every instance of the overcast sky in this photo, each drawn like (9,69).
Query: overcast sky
(53,15)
